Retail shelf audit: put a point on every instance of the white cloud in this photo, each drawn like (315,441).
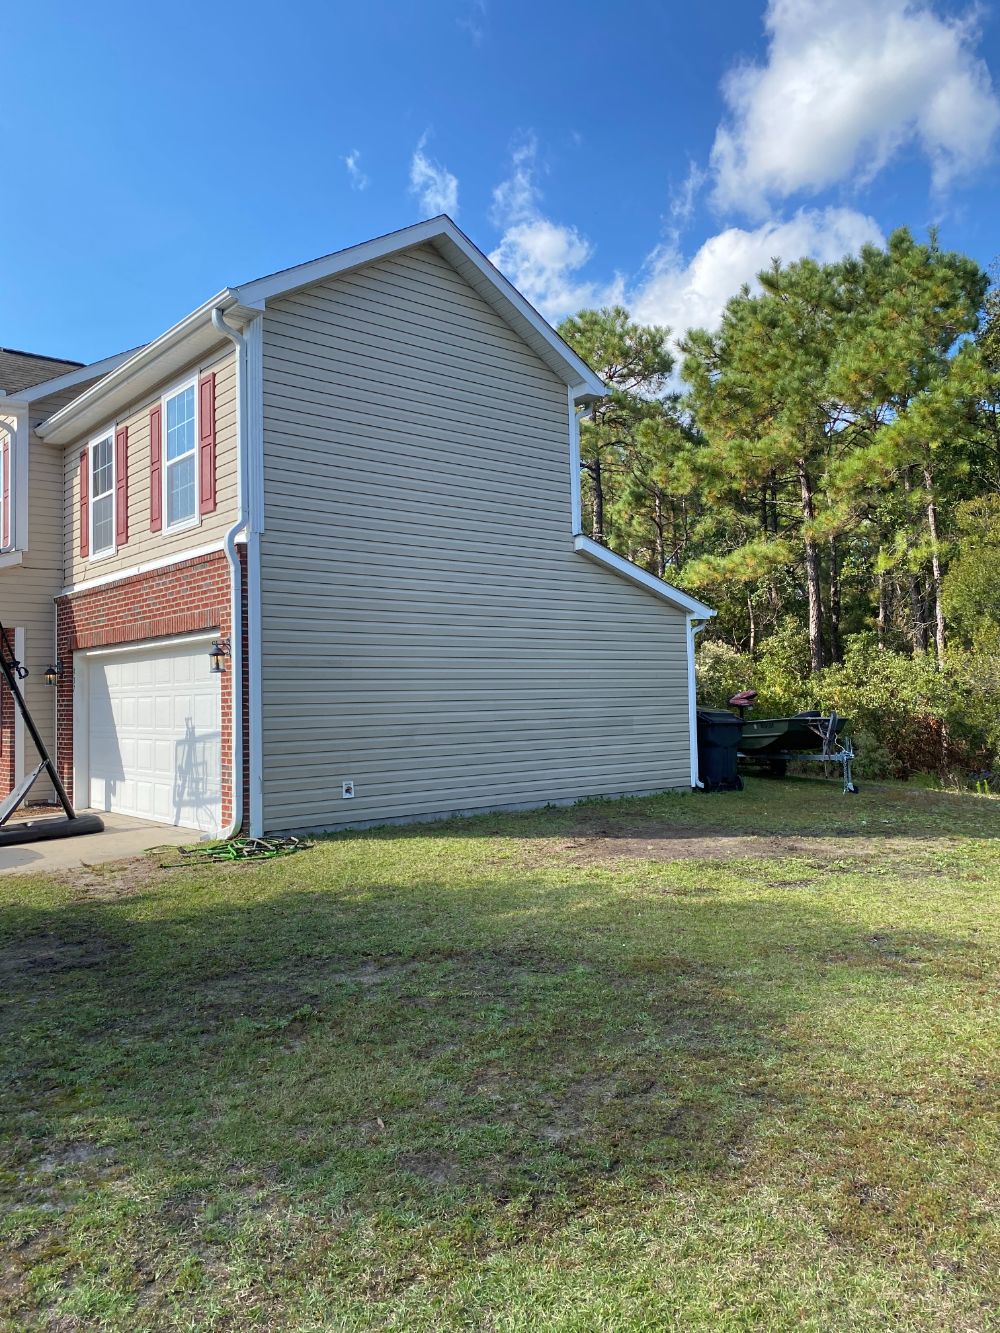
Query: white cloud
(473,20)
(359,181)
(689,293)
(847,84)
(542,258)
(433,184)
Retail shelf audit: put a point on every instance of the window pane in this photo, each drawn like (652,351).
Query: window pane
(104,524)
(100,467)
(180,490)
(180,424)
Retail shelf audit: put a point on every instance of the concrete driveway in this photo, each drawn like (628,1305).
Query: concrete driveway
(122,837)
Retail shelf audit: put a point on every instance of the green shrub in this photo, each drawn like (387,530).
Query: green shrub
(906,716)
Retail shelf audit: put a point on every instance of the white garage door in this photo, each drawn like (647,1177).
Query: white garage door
(155,743)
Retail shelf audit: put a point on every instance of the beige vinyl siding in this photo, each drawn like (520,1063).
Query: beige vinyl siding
(144,545)
(428,630)
(28,590)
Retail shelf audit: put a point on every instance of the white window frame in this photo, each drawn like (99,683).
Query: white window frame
(111,550)
(190,382)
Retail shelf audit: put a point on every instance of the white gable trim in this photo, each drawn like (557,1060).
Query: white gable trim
(470,262)
(138,374)
(626,570)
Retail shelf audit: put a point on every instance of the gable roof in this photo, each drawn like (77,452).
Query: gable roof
(194,336)
(20,370)
(470,262)
(82,373)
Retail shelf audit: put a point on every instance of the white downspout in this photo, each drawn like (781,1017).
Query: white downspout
(11,433)
(236,581)
(693,629)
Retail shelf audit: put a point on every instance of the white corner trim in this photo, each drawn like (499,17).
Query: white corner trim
(693,628)
(19,651)
(256,515)
(17,432)
(625,568)
(576,502)
(162,562)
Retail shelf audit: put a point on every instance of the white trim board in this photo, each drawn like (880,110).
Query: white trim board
(19,651)
(161,562)
(625,569)
(469,261)
(194,335)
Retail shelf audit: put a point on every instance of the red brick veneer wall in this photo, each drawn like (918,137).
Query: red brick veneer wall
(7,711)
(186,598)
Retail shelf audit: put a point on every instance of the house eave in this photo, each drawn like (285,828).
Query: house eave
(625,569)
(470,262)
(185,342)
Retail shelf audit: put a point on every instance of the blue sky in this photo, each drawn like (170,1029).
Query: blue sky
(653,153)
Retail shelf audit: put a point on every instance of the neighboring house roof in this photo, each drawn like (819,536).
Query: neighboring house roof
(20,370)
(82,373)
(195,335)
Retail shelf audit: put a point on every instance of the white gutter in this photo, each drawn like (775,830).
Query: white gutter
(236,581)
(694,627)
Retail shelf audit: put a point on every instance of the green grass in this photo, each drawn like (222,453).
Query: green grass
(623,1066)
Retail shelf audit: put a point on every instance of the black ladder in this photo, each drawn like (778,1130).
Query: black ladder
(71,824)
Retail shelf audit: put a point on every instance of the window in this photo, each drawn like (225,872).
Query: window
(180,473)
(102,495)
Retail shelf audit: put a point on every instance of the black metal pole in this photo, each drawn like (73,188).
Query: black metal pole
(34,733)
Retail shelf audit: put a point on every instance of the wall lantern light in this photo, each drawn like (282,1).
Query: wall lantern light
(53,672)
(217,655)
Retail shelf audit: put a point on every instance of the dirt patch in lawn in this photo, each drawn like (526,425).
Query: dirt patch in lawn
(113,880)
(655,840)
(44,955)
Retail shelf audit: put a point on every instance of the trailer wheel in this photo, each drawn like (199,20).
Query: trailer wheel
(777,768)
(851,789)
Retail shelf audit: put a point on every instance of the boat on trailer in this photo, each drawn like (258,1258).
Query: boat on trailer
(812,737)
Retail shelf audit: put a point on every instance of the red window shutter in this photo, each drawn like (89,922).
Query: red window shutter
(85,502)
(121,485)
(155,468)
(6,493)
(206,442)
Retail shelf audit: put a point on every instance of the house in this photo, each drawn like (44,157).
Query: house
(32,388)
(322,561)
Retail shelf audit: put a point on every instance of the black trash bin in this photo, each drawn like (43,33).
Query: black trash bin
(719,736)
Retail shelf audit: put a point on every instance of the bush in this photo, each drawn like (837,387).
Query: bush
(905,715)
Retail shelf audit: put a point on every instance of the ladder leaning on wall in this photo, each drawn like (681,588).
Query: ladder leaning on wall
(35,830)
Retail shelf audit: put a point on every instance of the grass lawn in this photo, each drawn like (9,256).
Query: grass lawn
(688,1062)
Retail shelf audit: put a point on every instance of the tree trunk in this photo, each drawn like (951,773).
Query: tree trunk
(918,621)
(836,648)
(812,572)
(917,617)
(661,559)
(882,624)
(597,500)
(753,626)
(932,526)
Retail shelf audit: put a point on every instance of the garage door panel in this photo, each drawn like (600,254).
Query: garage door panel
(155,736)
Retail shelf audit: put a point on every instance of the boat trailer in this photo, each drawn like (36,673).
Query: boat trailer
(810,738)
(70,825)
